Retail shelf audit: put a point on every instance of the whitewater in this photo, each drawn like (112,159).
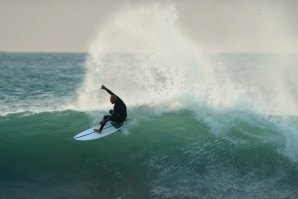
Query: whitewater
(201,125)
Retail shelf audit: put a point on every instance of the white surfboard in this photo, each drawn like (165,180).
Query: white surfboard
(89,134)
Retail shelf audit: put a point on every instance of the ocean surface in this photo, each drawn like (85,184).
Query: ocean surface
(184,138)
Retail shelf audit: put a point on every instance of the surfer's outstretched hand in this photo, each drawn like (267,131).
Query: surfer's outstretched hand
(103,87)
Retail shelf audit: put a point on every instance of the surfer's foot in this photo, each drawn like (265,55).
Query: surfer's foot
(97,130)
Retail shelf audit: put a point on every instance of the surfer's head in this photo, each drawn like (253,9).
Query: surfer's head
(113,99)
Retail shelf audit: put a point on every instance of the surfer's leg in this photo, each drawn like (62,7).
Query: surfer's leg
(106,117)
(102,123)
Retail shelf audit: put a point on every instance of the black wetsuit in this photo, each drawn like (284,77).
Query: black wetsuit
(119,112)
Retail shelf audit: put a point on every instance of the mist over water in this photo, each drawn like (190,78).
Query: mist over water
(143,53)
(140,52)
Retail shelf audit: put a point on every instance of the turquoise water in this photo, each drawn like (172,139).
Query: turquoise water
(194,150)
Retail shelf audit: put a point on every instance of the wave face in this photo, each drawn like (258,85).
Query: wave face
(201,125)
(170,155)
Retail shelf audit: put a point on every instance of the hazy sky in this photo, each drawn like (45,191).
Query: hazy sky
(214,25)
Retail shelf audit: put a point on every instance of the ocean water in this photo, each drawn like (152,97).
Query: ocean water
(186,145)
(201,125)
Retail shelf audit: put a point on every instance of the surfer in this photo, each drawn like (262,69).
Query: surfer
(118,114)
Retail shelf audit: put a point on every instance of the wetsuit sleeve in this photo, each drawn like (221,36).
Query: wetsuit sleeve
(110,92)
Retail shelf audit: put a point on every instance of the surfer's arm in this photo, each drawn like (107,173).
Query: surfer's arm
(105,88)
